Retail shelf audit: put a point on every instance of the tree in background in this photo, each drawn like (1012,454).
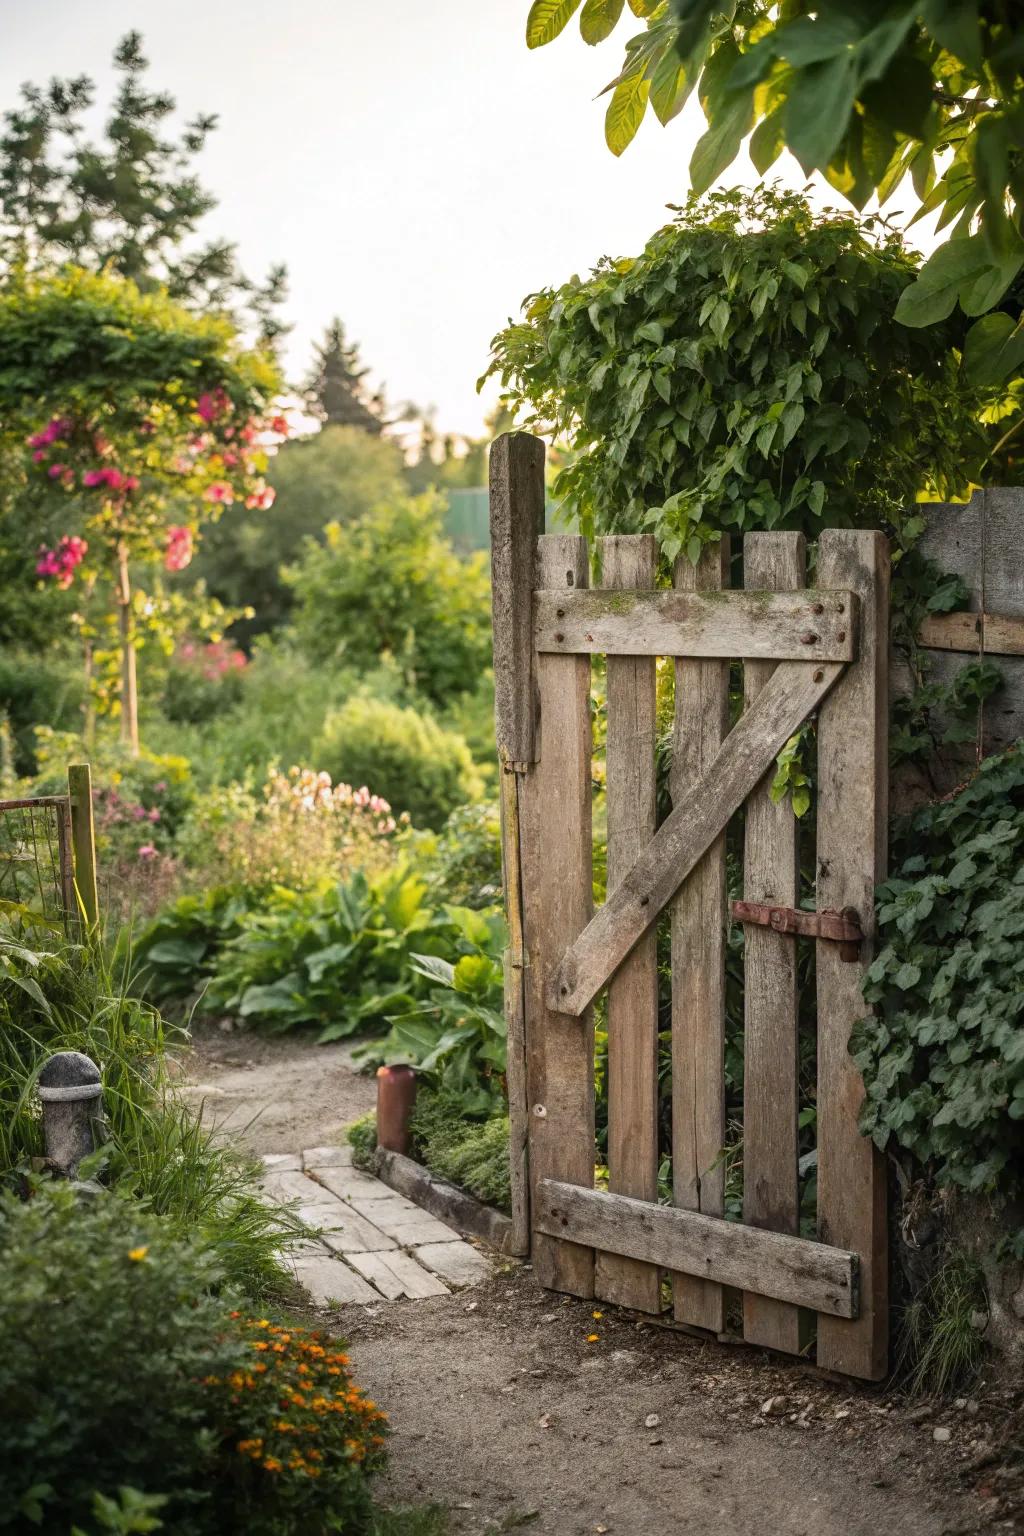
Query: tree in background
(335,476)
(866,92)
(336,390)
(126,204)
(137,421)
(390,584)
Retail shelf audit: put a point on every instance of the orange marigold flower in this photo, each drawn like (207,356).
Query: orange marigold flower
(138,1254)
(272,1464)
(592,1338)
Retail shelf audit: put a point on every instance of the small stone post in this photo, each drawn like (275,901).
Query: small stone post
(72,1097)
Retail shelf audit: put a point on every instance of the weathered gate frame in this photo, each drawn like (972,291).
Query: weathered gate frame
(804,649)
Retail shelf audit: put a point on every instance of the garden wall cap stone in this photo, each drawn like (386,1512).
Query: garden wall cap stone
(69,1075)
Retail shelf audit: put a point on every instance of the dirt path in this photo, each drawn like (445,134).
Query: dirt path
(504,1411)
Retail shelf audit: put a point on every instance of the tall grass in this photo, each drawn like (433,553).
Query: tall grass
(938,1347)
(156,1149)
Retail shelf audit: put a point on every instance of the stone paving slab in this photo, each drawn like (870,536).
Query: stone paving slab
(396,1274)
(371,1243)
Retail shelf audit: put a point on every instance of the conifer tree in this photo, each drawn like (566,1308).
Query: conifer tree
(336,391)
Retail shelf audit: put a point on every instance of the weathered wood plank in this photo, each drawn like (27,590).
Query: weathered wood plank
(700,725)
(779,626)
(746,756)
(516,469)
(792,1269)
(995,634)
(515,1011)
(851,860)
(771,1186)
(83,837)
(555,845)
(630,561)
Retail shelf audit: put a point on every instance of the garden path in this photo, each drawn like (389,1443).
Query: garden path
(372,1244)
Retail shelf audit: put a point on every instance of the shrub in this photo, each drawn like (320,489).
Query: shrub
(125,1367)
(943,1056)
(39,689)
(462,865)
(744,371)
(176,953)
(301,830)
(406,756)
(391,584)
(203,680)
(156,1149)
(337,956)
(457,1037)
(471,1153)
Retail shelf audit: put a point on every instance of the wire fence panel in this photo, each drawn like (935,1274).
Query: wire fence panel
(36,858)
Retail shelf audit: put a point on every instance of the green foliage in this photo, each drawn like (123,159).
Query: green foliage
(417,765)
(743,372)
(457,1037)
(389,583)
(336,956)
(156,1150)
(177,952)
(469,1152)
(943,1055)
(938,1348)
(866,94)
(336,391)
(338,476)
(39,689)
(128,1375)
(125,204)
(362,1138)
(462,864)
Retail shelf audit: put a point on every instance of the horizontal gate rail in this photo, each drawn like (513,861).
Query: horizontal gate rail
(770,1263)
(810,625)
(746,756)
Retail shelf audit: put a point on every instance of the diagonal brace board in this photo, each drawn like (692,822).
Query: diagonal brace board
(746,756)
(807,625)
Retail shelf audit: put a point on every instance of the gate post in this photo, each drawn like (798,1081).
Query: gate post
(516,471)
(853,779)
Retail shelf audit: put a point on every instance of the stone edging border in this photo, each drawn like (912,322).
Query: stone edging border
(442,1199)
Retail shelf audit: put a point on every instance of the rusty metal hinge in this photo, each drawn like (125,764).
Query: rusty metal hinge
(842,928)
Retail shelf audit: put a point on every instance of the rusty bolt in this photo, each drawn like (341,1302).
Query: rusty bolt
(559,637)
(590,637)
(819,674)
(809,639)
(818,608)
(559,613)
(841,635)
(841,608)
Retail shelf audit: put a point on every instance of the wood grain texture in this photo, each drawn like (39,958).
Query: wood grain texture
(515,1012)
(993,634)
(771,1193)
(700,726)
(555,851)
(851,860)
(629,562)
(83,836)
(745,757)
(790,1268)
(779,626)
(516,471)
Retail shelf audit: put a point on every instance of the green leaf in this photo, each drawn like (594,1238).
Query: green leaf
(547,19)
(994,349)
(933,295)
(599,19)
(818,110)
(718,147)
(672,84)
(625,112)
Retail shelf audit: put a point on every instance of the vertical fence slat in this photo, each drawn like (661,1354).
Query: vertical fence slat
(772,562)
(516,467)
(698,959)
(629,562)
(66,861)
(555,834)
(852,815)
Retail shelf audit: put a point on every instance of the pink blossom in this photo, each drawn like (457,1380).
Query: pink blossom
(56,470)
(179,551)
(279,425)
(220,492)
(212,404)
(261,499)
(60,563)
(39,457)
(147,851)
(110,477)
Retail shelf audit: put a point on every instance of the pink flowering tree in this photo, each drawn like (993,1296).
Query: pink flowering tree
(139,422)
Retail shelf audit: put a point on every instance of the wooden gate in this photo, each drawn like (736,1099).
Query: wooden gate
(803,650)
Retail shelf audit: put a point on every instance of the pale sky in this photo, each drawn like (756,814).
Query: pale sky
(414,165)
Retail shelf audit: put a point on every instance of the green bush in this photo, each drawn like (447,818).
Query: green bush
(46,688)
(462,864)
(126,1366)
(456,1038)
(470,1153)
(176,953)
(156,1149)
(337,957)
(405,756)
(943,1055)
(390,584)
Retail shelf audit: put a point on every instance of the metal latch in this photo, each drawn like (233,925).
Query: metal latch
(843,928)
